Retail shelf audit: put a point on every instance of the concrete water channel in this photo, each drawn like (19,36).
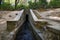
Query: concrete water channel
(27,26)
(25,32)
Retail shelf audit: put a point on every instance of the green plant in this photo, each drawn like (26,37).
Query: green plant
(19,7)
(54,4)
(37,5)
(33,5)
(6,6)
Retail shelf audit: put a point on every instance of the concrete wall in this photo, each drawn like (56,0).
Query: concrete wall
(11,28)
(46,33)
(33,28)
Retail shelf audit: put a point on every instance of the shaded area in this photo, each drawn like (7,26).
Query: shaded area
(25,33)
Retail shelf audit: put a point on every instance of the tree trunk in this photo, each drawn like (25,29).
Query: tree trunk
(15,4)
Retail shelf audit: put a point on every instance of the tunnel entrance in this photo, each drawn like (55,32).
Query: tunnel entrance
(24,33)
(27,16)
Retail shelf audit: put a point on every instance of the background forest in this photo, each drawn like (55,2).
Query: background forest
(28,4)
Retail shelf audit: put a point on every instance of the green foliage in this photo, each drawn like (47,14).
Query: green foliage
(36,5)
(33,5)
(55,4)
(6,6)
(19,7)
(43,3)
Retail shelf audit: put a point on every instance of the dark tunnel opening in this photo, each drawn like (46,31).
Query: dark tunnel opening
(27,16)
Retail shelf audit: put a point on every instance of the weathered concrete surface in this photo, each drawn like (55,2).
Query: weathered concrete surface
(36,21)
(39,22)
(33,21)
(25,33)
(3,25)
(15,20)
(53,20)
(52,14)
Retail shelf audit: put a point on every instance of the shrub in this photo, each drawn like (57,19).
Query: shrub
(6,6)
(37,5)
(21,6)
(54,4)
(34,5)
